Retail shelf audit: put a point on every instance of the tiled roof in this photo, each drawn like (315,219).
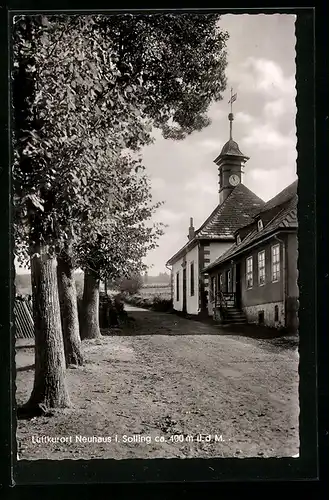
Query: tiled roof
(237,210)
(285,195)
(231,148)
(286,218)
(271,208)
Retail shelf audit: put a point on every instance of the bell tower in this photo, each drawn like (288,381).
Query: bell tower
(230,162)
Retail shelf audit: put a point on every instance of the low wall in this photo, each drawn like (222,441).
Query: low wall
(252,314)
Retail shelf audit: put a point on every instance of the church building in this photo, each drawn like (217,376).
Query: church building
(240,265)
(236,208)
(256,280)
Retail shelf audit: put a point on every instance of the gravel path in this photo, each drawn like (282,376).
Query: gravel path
(170,387)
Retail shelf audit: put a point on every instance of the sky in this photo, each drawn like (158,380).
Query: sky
(261,69)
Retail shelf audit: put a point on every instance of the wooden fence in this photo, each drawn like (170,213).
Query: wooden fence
(23,318)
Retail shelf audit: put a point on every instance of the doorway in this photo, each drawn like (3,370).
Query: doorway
(229,281)
(184,290)
(238,285)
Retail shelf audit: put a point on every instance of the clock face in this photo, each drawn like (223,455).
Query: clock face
(234,180)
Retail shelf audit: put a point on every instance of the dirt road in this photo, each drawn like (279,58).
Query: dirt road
(169,387)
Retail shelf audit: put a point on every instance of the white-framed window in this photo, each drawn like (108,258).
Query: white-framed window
(260,225)
(238,239)
(177,286)
(249,272)
(261,267)
(275,252)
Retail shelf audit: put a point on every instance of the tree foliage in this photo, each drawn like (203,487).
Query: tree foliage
(94,86)
(67,137)
(175,63)
(87,91)
(116,236)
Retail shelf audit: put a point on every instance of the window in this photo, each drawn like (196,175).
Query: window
(249,277)
(260,225)
(177,286)
(261,267)
(221,282)
(276,262)
(192,278)
(238,240)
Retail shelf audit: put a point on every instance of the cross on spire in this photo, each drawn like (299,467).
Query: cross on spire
(230,116)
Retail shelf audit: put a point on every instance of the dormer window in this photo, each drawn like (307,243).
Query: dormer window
(260,225)
(238,239)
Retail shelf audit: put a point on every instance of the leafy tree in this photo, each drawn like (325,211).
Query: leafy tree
(170,83)
(115,240)
(176,63)
(84,89)
(29,179)
(62,144)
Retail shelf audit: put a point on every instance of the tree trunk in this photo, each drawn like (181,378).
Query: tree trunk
(89,328)
(69,311)
(49,388)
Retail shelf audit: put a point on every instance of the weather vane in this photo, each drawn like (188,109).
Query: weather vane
(230,116)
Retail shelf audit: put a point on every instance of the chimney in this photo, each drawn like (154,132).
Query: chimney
(191,230)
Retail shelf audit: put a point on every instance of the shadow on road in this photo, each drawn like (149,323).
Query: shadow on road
(146,322)
(256,331)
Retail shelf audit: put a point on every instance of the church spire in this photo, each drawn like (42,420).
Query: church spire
(230,162)
(231,116)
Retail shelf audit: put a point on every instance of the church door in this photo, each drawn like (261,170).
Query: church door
(184,290)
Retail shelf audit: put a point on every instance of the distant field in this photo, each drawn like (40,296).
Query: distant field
(163,291)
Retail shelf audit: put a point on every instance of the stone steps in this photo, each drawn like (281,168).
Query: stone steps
(235,316)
